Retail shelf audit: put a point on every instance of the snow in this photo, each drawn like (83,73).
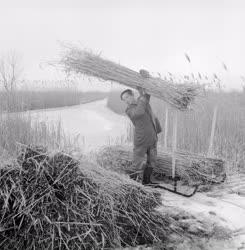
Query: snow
(227,210)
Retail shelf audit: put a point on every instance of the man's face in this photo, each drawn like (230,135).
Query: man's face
(128,99)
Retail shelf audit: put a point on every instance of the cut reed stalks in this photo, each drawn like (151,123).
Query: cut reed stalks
(83,62)
(49,200)
(191,168)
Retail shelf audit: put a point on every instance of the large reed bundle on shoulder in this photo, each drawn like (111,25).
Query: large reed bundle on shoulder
(191,168)
(83,62)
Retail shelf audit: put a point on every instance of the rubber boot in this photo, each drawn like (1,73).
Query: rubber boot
(147,175)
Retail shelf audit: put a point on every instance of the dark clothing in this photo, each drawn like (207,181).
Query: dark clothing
(139,157)
(144,129)
(145,135)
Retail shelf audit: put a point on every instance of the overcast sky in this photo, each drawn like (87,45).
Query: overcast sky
(151,34)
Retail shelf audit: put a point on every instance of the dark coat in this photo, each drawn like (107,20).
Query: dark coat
(146,127)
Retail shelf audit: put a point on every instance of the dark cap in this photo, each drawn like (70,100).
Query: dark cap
(129,91)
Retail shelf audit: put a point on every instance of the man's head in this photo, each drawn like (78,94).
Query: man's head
(128,96)
(144,73)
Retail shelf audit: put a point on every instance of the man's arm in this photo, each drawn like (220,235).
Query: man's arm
(139,110)
(147,96)
(145,74)
(143,93)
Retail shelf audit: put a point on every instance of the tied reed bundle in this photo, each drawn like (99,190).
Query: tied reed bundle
(51,201)
(191,168)
(83,62)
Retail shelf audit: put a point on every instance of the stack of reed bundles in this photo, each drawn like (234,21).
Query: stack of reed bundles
(191,168)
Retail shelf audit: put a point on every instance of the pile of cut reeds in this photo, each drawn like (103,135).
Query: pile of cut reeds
(52,201)
(191,168)
(83,62)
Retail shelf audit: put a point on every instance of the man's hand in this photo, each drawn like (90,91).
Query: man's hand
(141,90)
(144,73)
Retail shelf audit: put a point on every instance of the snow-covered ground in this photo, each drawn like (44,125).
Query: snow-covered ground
(97,126)
(227,210)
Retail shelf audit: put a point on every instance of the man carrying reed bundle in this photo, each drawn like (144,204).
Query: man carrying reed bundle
(81,61)
(146,127)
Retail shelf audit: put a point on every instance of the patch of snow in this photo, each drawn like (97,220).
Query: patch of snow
(228,210)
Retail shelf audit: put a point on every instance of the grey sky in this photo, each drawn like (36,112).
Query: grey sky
(150,34)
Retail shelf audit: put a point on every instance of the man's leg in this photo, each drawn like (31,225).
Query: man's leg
(136,172)
(147,170)
(150,164)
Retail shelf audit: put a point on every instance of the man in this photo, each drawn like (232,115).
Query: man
(146,129)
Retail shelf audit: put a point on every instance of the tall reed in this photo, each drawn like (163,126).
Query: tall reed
(19,128)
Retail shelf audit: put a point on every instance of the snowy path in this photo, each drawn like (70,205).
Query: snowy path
(226,209)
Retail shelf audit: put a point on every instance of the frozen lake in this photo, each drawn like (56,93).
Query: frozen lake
(93,123)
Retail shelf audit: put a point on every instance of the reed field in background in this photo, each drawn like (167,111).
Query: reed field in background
(194,126)
(21,129)
(21,100)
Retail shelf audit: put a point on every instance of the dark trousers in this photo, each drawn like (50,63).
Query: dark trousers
(140,170)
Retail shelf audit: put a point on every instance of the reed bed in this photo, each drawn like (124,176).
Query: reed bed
(191,168)
(83,62)
(21,128)
(49,200)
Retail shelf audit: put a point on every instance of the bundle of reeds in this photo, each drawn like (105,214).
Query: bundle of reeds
(83,62)
(51,201)
(191,168)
